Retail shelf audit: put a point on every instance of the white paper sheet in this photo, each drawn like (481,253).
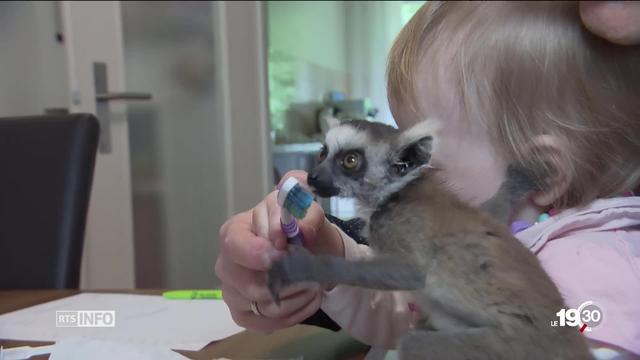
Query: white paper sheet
(82,348)
(139,319)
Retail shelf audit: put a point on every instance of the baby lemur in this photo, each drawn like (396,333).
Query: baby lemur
(483,294)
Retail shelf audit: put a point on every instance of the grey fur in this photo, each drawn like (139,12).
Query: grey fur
(518,184)
(389,273)
(483,294)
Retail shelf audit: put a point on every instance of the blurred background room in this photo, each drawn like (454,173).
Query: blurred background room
(214,102)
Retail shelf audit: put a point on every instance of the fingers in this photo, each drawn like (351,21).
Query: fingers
(251,251)
(258,216)
(244,247)
(300,175)
(249,283)
(266,221)
(618,22)
(294,299)
(250,242)
(293,312)
(289,304)
(311,223)
(309,226)
(275,234)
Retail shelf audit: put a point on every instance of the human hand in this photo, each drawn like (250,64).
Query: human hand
(250,242)
(616,21)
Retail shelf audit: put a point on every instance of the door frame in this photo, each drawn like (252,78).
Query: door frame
(241,54)
(93,33)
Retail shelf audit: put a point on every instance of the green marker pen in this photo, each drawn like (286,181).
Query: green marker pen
(192,294)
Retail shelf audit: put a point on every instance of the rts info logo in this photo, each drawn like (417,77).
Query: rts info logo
(86,318)
(587,316)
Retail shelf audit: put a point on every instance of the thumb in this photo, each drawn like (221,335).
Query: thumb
(618,22)
(312,224)
(300,175)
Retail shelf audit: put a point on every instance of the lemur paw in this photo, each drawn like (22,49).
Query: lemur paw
(291,269)
(278,279)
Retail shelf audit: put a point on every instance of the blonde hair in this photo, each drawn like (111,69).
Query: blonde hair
(529,69)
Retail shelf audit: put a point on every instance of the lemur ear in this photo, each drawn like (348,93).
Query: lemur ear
(415,146)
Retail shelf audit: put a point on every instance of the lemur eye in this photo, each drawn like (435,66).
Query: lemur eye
(323,154)
(350,161)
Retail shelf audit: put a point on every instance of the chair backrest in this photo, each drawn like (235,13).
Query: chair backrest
(46,170)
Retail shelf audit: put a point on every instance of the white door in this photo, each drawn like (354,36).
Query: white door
(93,38)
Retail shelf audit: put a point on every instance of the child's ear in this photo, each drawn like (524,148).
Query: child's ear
(414,148)
(552,168)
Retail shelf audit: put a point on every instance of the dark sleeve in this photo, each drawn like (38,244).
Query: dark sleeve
(352,228)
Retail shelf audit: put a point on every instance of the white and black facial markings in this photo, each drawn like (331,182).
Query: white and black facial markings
(427,128)
(376,174)
(345,137)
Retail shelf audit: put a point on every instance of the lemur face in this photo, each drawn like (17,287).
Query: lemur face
(369,161)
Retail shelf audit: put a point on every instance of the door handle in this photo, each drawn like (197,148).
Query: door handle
(103,96)
(123,96)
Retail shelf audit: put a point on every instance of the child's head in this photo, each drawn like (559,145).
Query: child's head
(521,82)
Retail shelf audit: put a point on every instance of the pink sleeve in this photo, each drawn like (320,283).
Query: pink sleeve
(603,267)
(377,318)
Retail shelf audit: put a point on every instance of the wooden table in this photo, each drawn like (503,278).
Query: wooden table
(301,340)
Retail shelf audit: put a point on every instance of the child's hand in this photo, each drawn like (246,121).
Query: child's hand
(616,21)
(250,242)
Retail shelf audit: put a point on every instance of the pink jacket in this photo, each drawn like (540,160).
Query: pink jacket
(591,253)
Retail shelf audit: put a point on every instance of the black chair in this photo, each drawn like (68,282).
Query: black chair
(46,170)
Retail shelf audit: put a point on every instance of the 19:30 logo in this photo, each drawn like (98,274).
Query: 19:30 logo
(587,316)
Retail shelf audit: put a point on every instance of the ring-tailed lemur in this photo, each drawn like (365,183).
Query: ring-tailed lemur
(483,294)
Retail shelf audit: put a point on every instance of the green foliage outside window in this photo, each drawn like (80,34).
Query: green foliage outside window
(282,71)
(282,86)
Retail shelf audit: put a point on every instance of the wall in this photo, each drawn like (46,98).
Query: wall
(32,62)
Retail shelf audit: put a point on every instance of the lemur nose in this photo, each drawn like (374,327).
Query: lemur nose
(312,177)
